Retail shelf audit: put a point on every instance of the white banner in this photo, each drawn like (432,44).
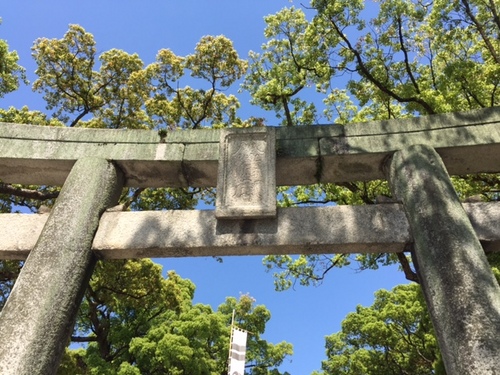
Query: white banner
(237,354)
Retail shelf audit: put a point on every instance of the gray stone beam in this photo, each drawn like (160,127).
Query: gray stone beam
(468,142)
(462,295)
(341,229)
(38,317)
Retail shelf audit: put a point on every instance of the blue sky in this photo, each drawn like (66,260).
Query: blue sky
(302,316)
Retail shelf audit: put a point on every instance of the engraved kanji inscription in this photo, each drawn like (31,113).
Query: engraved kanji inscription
(246,181)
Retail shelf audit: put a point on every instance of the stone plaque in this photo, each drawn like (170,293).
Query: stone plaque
(246,184)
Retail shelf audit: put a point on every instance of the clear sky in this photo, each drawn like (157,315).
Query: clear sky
(302,316)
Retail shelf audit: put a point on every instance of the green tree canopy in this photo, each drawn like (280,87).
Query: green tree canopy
(375,61)
(393,336)
(123,93)
(137,322)
(413,58)
(289,63)
(216,63)
(11,73)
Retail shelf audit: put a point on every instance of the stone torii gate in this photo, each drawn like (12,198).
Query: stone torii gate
(448,239)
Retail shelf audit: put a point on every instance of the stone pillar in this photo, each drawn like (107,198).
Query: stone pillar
(38,318)
(461,292)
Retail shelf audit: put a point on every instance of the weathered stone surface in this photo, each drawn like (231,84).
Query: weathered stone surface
(123,235)
(63,133)
(468,142)
(298,154)
(39,314)
(200,164)
(48,162)
(462,294)
(295,230)
(246,187)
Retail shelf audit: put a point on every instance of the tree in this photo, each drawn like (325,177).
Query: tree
(403,66)
(124,93)
(137,322)
(392,59)
(11,73)
(393,336)
(129,308)
(288,64)
(217,64)
(72,87)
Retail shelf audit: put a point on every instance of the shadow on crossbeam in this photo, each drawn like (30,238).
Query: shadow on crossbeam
(379,228)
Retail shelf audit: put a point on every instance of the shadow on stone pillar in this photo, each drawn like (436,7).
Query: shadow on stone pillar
(39,315)
(462,295)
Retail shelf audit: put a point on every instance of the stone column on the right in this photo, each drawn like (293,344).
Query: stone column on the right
(462,294)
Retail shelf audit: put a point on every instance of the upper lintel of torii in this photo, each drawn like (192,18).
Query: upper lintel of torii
(468,142)
(246,165)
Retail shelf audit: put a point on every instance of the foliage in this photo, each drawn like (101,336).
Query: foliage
(133,320)
(403,66)
(494,260)
(11,73)
(137,322)
(9,270)
(393,336)
(125,94)
(379,60)
(375,61)
(216,63)
(288,64)
(364,60)
(72,87)
(25,116)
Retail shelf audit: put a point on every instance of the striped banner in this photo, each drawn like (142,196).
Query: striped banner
(237,353)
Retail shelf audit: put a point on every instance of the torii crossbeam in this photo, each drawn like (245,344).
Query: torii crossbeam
(415,155)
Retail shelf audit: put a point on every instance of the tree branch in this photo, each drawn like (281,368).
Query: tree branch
(79,117)
(493,10)
(469,93)
(405,52)
(83,339)
(289,121)
(132,198)
(481,30)
(364,71)
(27,193)
(405,265)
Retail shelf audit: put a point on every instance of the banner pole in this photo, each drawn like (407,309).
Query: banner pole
(230,343)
